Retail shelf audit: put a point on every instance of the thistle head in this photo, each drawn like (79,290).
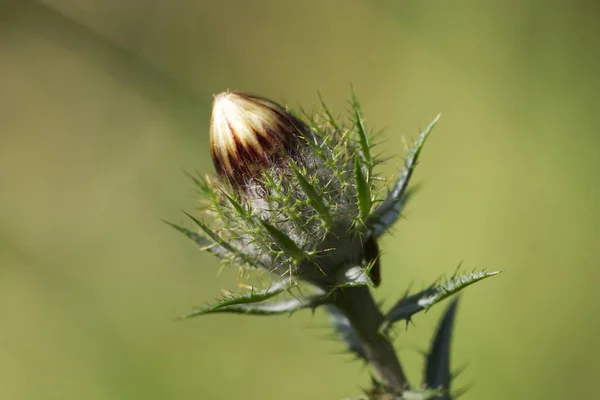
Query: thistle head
(293,196)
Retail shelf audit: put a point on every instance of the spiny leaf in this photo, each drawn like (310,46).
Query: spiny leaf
(204,185)
(200,240)
(363,191)
(408,306)
(218,240)
(236,205)
(328,114)
(363,138)
(437,366)
(387,213)
(265,308)
(211,234)
(199,180)
(204,243)
(237,300)
(314,197)
(346,332)
(284,242)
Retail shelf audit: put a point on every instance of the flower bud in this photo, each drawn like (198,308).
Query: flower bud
(250,133)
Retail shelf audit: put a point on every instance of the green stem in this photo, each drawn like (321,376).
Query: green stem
(359,306)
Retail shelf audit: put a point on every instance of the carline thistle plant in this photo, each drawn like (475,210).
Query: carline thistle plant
(297,198)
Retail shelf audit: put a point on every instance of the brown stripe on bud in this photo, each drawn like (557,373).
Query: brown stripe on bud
(249,133)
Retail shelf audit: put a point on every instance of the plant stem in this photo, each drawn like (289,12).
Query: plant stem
(359,306)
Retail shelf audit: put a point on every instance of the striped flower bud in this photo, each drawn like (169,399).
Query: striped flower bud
(300,197)
(249,133)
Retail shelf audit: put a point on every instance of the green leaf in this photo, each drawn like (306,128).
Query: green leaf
(199,180)
(237,206)
(203,185)
(236,302)
(314,198)
(408,306)
(363,138)
(284,242)
(222,243)
(328,115)
(204,243)
(437,365)
(266,308)
(363,191)
(388,212)
(200,240)
(211,234)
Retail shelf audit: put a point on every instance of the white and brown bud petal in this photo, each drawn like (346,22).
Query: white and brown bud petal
(249,133)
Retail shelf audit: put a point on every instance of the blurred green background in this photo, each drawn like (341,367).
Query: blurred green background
(103,104)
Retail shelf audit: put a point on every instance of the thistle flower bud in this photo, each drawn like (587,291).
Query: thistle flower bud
(300,197)
(249,133)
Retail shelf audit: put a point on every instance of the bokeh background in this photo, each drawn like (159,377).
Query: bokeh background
(104,103)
